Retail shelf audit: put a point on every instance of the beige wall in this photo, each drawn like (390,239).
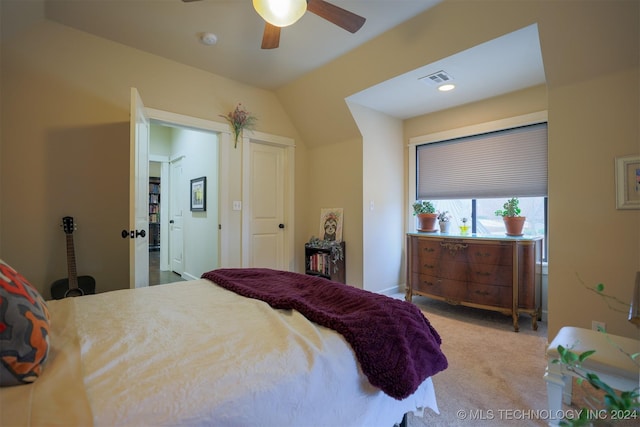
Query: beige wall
(512,104)
(382,199)
(65,130)
(335,172)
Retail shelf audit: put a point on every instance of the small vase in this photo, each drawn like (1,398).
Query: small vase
(237,134)
(464,229)
(444,226)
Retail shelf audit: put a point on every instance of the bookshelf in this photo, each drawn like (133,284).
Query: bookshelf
(154,213)
(319,261)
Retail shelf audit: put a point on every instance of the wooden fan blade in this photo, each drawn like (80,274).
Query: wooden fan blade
(271,36)
(189,1)
(336,15)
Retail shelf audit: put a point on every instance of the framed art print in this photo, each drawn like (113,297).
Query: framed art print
(628,182)
(199,194)
(331,224)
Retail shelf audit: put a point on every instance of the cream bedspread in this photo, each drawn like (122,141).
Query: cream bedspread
(192,353)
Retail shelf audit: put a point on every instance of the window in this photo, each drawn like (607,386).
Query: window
(472,176)
(482,218)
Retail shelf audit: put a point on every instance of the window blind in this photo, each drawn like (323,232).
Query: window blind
(505,163)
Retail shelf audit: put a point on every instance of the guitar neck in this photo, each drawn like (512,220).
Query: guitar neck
(71,263)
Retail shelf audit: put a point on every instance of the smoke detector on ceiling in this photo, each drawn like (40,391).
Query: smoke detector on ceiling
(208,38)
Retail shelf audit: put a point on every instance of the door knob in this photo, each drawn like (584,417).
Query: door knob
(171,222)
(133,234)
(280,225)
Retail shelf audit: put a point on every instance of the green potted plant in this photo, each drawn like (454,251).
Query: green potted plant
(510,213)
(426,214)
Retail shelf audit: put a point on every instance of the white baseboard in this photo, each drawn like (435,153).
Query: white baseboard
(187,276)
(392,290)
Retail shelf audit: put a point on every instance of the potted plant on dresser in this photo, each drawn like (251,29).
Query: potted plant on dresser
(510,213)
(426,214)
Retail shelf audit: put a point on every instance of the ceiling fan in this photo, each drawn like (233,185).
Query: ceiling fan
(282,13)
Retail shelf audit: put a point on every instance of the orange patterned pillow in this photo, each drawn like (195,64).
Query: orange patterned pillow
(24,329)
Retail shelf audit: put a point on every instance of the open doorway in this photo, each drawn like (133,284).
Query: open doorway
(183,243)
(159,273)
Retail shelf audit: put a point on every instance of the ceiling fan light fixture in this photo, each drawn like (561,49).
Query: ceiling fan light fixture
(280,13)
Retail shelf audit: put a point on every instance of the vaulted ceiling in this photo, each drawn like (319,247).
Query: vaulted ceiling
(173,29)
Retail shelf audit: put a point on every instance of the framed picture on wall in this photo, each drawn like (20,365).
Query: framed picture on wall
(628,182)
(331,224)
(199,194)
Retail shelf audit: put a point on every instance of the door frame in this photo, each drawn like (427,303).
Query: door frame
(288,144)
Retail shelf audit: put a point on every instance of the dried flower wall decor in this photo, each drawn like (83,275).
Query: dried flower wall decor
(239,119)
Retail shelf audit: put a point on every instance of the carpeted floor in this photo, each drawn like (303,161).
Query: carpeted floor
(495,375)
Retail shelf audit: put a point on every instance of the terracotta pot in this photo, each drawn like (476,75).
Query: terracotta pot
(427,222)
(514,225)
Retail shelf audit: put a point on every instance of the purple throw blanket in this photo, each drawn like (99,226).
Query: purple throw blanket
(395,344)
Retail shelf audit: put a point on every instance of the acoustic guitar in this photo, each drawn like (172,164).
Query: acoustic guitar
(73,286)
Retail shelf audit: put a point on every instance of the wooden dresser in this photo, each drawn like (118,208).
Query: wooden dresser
(493,273)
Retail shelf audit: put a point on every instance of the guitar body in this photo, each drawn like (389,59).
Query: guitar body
(73,286)
(60,288)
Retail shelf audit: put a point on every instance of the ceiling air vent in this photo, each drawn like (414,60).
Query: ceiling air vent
(436,78)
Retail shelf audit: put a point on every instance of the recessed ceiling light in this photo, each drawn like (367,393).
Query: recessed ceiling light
(446,88)
(208,38)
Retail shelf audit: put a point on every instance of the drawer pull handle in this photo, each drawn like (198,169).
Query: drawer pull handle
(427,283)
(428,249)
(483,273)
(453,247)
(483,293)
(429,266)
(483,254)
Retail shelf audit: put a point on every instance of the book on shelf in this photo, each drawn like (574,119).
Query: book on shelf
(320,263)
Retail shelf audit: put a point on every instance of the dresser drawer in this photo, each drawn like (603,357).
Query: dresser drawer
(461,291)
(496,296)
(451,289)
(493,254)
(426,249)
(499,275)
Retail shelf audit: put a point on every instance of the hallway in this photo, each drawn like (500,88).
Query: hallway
(157,277)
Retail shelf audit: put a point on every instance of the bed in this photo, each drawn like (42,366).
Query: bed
(199,353)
